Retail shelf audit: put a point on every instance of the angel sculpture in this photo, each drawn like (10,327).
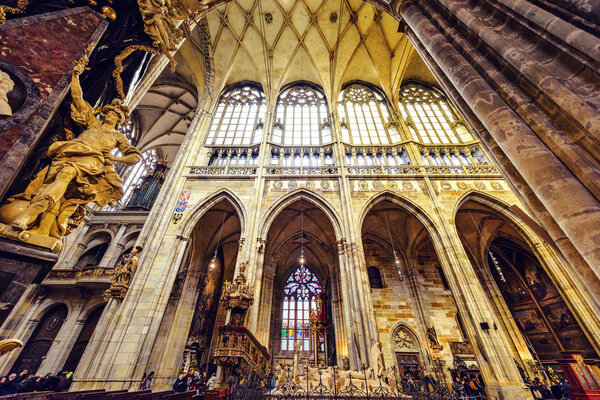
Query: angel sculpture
(81,171)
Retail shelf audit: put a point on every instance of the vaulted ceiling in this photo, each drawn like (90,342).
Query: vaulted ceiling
(327,42)
(276,42)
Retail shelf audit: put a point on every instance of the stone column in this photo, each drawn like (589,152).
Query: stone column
(491,344)
(561,193)
(263,328)
(118,357)
(64,341)
(114,248)
(68,254)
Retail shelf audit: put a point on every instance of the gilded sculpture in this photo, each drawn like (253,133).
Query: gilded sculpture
(122,276)
(162,19)
(81,171)
(6,85)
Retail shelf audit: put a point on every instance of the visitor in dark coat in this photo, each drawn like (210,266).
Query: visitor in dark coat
(10,386)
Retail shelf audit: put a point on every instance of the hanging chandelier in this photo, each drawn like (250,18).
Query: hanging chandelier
(396,258)
(213,261)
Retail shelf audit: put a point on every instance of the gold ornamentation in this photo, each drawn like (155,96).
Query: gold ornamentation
(7,345)
(119,64)
(161,19)
(6,85)
(109,13)
(122,277)
(81,172)
(19,9)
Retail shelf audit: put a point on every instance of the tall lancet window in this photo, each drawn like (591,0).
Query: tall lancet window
(365,117)
(429,116)
(301,117)
(238,119)
(300,295)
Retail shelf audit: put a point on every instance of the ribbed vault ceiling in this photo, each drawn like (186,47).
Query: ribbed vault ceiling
(328,42)
(276,42)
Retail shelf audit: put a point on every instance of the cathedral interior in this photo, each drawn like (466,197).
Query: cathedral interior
(302,191)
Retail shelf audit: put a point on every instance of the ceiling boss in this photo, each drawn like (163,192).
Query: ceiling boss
(81,171)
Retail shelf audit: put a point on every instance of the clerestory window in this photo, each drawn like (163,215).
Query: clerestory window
(365,117)
(238,118)
(429,117)
(134,174)
(301,117)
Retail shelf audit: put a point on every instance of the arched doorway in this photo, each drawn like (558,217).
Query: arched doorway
(528,303)
(82,340)
(41,340)
(301,267)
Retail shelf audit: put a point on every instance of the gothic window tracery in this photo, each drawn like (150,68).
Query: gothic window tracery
(237,121)
(301,117)
(300,293)
(365,117)
(404,340)
(429,117)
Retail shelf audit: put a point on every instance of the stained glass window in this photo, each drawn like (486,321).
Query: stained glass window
(238,118)
(301,117)
(365,117)
(300,292)
(429,117)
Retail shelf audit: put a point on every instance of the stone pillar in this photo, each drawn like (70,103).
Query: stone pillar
(263,328)
(118,358)
(491,343)
(114,248)
(64,341)
(522,129)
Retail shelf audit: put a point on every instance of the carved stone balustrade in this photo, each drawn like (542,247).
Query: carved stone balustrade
(227,171)
(91,277)
(328,170)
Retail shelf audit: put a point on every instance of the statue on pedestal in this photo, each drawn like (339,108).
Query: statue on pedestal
(377,364)
(81,171)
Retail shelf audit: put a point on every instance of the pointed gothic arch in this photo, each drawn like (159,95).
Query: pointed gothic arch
(317,200)
(200,208)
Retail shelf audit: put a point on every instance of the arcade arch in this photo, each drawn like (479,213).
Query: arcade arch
(528,299)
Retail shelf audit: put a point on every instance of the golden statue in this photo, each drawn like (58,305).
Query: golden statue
(6,85)
(122,276)
(161,19)
(81,171)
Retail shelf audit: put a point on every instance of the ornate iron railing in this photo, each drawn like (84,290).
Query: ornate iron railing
(333,385)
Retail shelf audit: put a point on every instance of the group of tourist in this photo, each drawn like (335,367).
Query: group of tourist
(193,380)
(468,387)
(558,389)
(25,382)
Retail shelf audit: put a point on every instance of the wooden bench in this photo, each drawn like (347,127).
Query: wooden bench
(153,396)
(29,395)
(180,396)
(70,395)
(128,395)
(99,395)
